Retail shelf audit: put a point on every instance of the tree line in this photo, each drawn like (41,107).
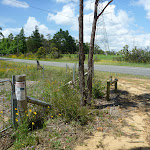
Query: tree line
(61,43)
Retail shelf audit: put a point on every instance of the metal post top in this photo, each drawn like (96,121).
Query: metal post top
(20,78)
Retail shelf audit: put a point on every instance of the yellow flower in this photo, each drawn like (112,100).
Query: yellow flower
(48,107)
(16,120)
(33,123)
(33,116)
(27,115)
(30,110)
(51,116)
(35,113)
(59,114)
(22,144)
(15,108)
(1,112)
(17,114)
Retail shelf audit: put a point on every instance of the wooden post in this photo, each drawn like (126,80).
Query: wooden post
(73,76)
(108,90)
(66,68)
(110,78)
(116,85)
(43,72)
(93,69)
(20,89)
(13,103)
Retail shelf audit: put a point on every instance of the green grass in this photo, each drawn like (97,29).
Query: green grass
(98,58)
(65,100)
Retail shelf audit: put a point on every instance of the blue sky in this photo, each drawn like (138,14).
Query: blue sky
(124,21)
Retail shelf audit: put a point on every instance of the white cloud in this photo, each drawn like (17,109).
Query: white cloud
(145,4)
(66,1)
(15,3)
(29,27)
(61,1)
(7,31)
(65,17)
(117,25)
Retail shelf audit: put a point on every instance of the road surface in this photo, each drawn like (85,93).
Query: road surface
(106,68)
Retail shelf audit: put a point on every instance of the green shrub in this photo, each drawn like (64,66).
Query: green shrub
(55,53)
(66,101)
(41,53)
(98,89)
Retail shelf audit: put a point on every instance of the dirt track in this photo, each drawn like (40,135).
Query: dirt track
(133,107)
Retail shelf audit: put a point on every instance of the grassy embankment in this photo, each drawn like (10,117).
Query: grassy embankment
(73,58)
(66,123)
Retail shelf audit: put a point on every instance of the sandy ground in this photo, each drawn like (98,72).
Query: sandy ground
(136,131)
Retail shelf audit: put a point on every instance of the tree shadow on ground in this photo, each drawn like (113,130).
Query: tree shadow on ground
(125,100)
(140,148)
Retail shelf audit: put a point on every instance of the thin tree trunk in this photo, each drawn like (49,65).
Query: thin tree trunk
(81,56)
(91,50)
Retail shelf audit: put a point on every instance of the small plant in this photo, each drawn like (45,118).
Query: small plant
(98,89)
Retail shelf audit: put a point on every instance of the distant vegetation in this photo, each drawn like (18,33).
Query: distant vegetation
(61,43)
(136,55)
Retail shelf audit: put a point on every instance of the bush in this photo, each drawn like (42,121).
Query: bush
(66,101)
(136,55)
(55,53)
(41,53)
(98,89)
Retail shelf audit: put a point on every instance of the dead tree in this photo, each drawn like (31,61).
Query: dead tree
(39,67)
(81,56)
(91,50)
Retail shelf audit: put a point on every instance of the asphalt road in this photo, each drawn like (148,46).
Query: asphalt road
(106,68)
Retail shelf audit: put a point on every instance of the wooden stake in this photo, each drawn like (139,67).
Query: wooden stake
(13,103)
(108,91)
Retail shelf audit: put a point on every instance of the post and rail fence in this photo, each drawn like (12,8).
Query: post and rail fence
(19,99)
(109,83)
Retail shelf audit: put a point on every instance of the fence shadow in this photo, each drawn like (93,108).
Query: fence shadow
(125,100)
(140,148)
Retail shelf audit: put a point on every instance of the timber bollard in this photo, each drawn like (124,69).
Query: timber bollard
(20,90)
(13,103)
(108,90)
(109,83)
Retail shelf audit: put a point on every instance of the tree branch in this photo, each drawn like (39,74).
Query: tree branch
(104,9)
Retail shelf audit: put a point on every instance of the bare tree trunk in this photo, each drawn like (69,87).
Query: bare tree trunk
(91,50)
(81,56)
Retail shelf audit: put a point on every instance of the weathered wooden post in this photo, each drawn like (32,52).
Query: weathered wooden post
(110,78)
(43,72)
(13,103)
(66,68)
(20,90)
(93,69)
(116,85)
(108,90)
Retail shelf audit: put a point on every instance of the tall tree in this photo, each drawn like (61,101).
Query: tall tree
(1,34)
(64,42)
(91,50)
(81,56)
(37,39)
(22,42)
